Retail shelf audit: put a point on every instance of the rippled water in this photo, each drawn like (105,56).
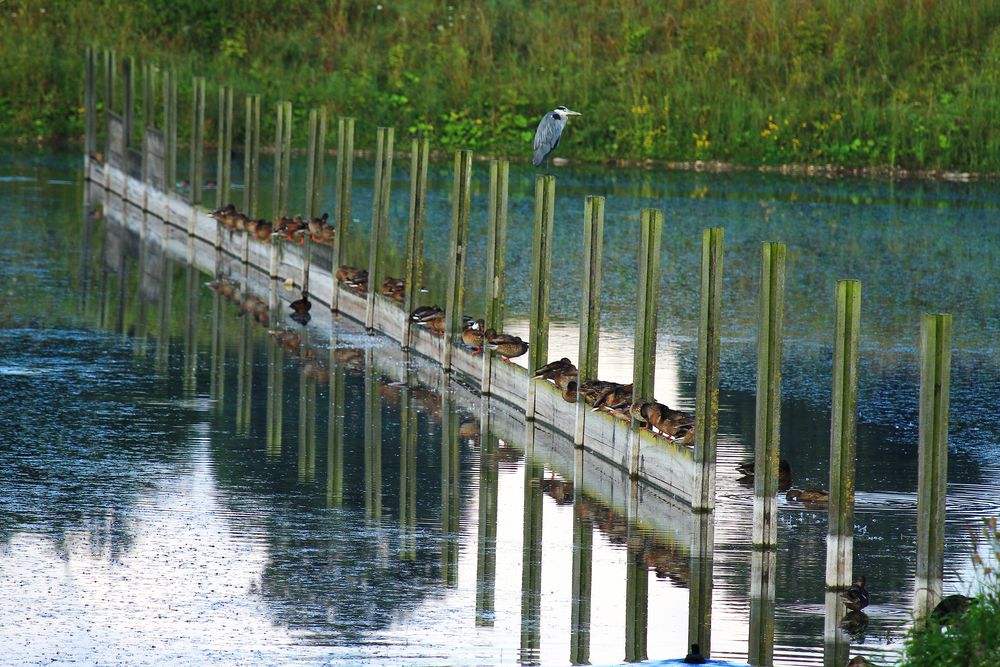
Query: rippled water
(161,504)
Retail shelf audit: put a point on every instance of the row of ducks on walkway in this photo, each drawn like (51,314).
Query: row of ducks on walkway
(291,228)
(474,333)
(357,281)
(616,398)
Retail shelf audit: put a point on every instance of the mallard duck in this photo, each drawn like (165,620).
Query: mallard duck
(317,225)
(260,229)
(301,305)
(472,335)
(569,393)
(856,597)
(292,227)
(552,369)
(506,345)
(859,661)
(808,495)
(591,390)
(353,277)
(225,215)
(951,608)
(746,471)
(616,399)
(326,235)
(659,416)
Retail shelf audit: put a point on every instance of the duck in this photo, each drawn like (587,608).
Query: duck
(472,335)
(591,390)
(317,225)
(225,214)
(506,345)
(694,657)
(326,235)
(569,393)
(662,418)
(859,661)
(808,495)
(301,305)
(353,277)
(293,227)
(616,398)
(856,597)
(951,608)
(260,229)
(432,319)
(746,471)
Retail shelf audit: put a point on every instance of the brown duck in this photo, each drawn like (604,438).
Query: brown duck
(808,495)
(506,345)
(472,335)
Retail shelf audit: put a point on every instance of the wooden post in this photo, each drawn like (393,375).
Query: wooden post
(644,359)
(90,102)
(224,149)
(380,219)
(415,233)
(342,211)
(197,142)
(314,181)
(251,157)
(128,100)
(461,204)
(590,308)
(843,435)
(496,246)
(170,130)
(706,404)
(110,84)
(541,275)
(771,308)
(282,157)
(932,477)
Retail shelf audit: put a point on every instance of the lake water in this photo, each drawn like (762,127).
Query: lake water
(176,491)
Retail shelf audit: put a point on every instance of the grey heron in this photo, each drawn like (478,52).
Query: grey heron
(549,130)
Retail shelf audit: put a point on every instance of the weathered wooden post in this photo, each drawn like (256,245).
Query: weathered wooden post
(110,84)
(461,198)
(541,275)
(170,131)
(282,164)
(314,181)
(342,210)
(583,566)
(590,307)
(380,219)
(90,102)
(197,143)
(644,355)
(496,245)
(251,157)
(128,100)
(415,233)
(766,451)
(224,147)
(932,476)
(706,403)
(843,435)
(771,308)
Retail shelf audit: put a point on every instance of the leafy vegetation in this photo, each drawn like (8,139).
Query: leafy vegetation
(911,84)
(973,640)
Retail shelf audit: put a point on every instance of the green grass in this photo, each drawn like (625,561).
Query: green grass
(872,83)
(974,640)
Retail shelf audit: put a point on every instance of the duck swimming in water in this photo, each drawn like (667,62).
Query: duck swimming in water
(856,597)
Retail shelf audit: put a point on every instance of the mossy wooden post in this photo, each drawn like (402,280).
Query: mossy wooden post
(540,282)
(496,246)
(706,403)
(644,356)
(251,157)
(224,147)
(380,219)
(461,204)
(90,102)
(342,210)
(197,143)
(128,100)
(170,130)
(770,323)
(843,435)
(590,307)
(110,84)
(282,164)
(415,233)
(314,181)
(932,460)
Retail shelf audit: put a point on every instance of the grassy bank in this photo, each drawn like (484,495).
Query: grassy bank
(872,83)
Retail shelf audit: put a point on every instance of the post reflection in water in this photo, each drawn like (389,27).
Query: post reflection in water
(700,583)
(489,477)
(166,309)
(335,429)
(836,637)
(275,393)
(408,470)
(583,563)
(244,375)
(450,486)
(373,440)
(307,427)
(217,375)
(636,585)
(189,371)
(531,558)
(762,586)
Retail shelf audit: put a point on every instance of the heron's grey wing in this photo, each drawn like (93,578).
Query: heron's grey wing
(546,138)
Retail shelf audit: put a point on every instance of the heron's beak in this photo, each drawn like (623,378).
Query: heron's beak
(573,113)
